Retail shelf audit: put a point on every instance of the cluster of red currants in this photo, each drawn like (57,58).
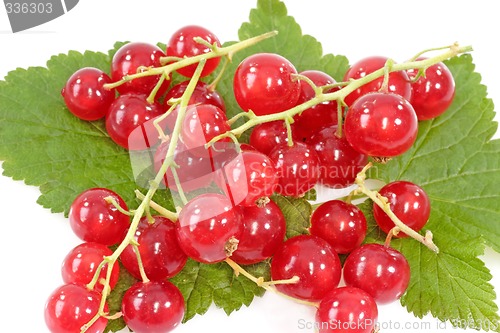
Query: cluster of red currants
(237,221)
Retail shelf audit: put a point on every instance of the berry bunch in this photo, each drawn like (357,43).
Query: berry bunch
(305,129)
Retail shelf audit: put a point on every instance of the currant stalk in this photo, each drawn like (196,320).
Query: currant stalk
(215,52)
(385,206)
(347,88)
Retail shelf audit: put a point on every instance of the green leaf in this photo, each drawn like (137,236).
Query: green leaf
(297,212)
(203,285)
(459,168)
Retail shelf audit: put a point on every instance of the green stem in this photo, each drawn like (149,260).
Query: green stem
(228,51)
(383,203)
(340,95)
(160,209)
(144,277)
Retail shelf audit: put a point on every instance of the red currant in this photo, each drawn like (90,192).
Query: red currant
(209,227)
(379,270)
(160,252)
(399,83)
(263,232)
(319,116)
(202,94)
(311,259)
(247,177)
(201,124)
(93,219)
(408,202)
(347,310)
(381,125)
(71,306)
(129,122)
(266,136)
(129,59)
(264,83)
(182,44)
(155,306)
(433,92)
(85,96)
(339,161)
(297,168)
(81,263)
(341,224)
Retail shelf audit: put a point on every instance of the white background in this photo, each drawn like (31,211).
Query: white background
(33,241)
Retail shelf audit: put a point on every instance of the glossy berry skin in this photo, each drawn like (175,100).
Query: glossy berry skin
(347,310)
(264,231)
(71,306)
(202,94)
(153,307)
(81,263)
(408,202)
(129,122)
(297,168)
(160,252)
(319,116)
(195,167)
(208,227)
(381,271)
(399,83)
(201,124)
(181,44)
(85,96)
(247,178)
(263,83)
(128,59)
(432,93)
(266,136)
(341,224)
(313,260)
(339,161)
(381,125)
(95,220)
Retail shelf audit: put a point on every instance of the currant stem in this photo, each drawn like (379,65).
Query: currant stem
(382,202)
(351,86)
(160,209)
(112,201)
(144,277)
(166,69)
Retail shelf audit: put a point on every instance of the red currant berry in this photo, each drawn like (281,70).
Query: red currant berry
(93,219)
(297,168)
(201,124)
(266,136)
(381,125)
(195,169)
(209,228)
(433,92)
(202,94)
(381,271)
(341,224)
(399,83)
(155,306)
(264,231)
(264,83)
(313,261)
(408,202)
(129,122)
(85,96)
(247,177)
(319,116)
(347,310)
(70,307)
(339,162)
(182,44)
(160,252)
(82,262)
(129,59)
